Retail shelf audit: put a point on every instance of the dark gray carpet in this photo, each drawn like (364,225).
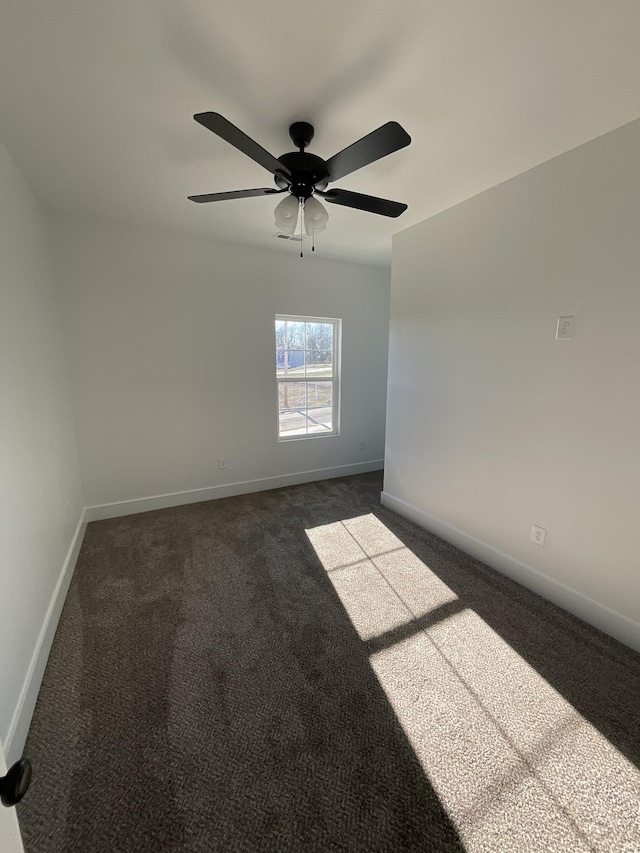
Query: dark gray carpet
(222,680)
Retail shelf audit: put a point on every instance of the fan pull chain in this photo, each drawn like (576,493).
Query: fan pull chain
(301,214)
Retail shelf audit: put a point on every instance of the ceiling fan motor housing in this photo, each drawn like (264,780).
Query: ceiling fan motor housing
(308,171)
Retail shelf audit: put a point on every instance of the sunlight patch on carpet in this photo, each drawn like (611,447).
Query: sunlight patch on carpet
(510,758)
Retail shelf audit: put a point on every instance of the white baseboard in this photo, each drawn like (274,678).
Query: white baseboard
(602,617)
(210,493)
(21,720)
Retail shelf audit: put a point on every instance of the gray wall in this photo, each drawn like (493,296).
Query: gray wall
(40,489)
(172,358)
(493,424)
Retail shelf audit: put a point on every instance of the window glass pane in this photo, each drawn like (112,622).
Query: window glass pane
(294,360)
(321,422)
(294,337)
(280,341)
(319,394)
(290,362)
(319,363)
(319,336)
(292,395)
(292,402)
(319,406)
(292,423)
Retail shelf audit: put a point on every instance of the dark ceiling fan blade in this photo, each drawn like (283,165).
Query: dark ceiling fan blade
(370,203)
(234,194)
(385,140)
(234,136)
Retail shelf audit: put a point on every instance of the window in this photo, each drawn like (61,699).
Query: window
(307,376)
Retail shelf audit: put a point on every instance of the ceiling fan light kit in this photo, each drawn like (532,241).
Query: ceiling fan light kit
(286,214)
(304,175)
(316,216)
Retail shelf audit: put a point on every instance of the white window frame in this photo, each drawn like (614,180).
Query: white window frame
(336,365)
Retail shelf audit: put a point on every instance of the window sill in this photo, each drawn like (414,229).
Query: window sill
(285,438)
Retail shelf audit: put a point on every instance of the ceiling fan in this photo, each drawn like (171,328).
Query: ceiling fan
(303,175)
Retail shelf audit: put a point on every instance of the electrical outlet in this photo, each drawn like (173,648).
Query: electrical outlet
(222,463)
(538,535)
(566,328)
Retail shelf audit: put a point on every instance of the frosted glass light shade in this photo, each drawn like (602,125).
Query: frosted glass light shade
(286,214)
(315,216)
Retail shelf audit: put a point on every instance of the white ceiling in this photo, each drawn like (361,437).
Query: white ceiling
(97,98)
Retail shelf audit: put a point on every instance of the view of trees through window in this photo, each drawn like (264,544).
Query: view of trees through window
(306,376)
